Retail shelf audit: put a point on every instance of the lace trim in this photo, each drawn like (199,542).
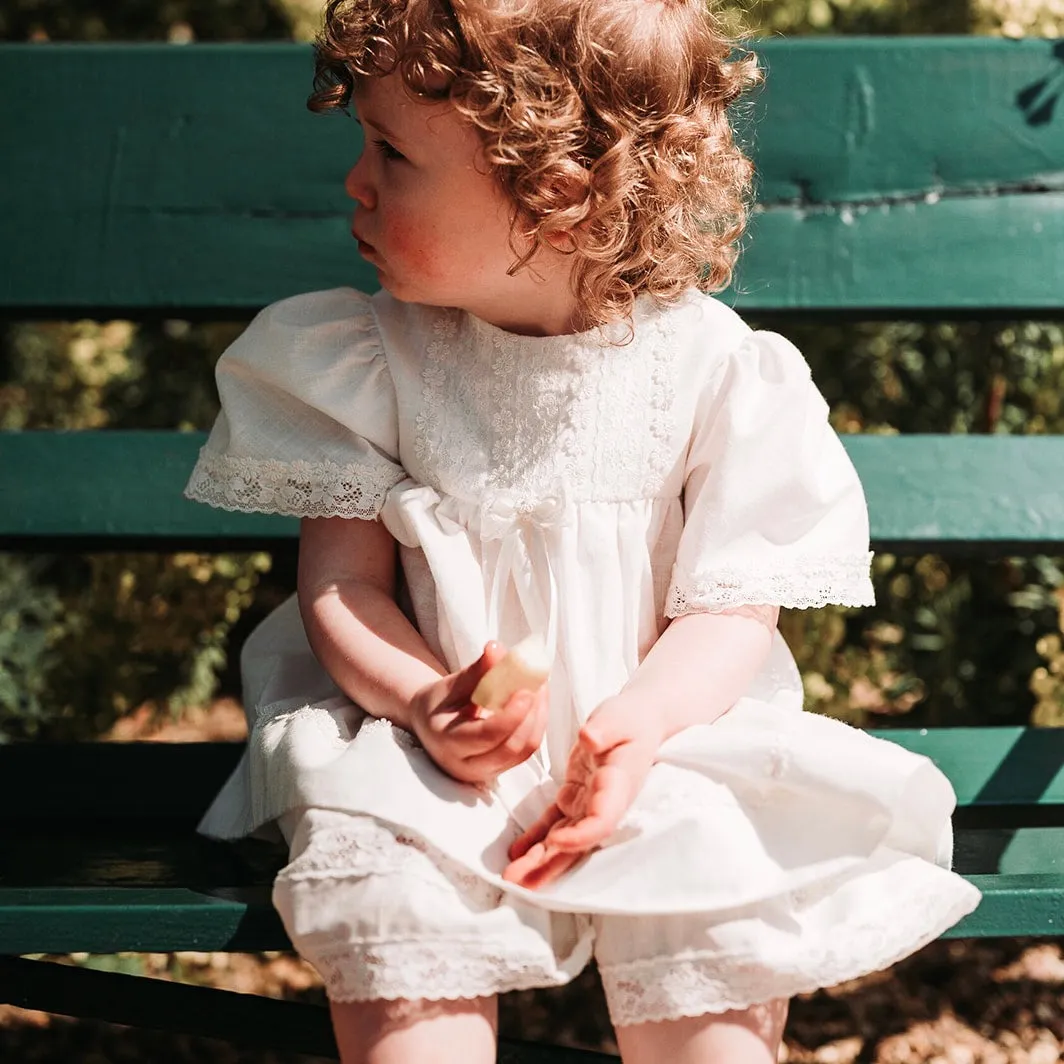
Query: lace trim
(361,846)
(695,983)
(807,583)
(444,970)
(296,489)
(427,441)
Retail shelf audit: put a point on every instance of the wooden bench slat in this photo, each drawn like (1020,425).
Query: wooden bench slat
(892,258)
(114,484)
(1009,851)
(979,492)
(249,1020)
(988,766)
(923,164)
(137,782)
(995,765)
(62,920)
(867,118)
(1015,905)
(46,919)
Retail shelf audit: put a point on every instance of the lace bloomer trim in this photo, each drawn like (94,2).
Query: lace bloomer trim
(806,583)
(296,489)
(361,846)
(433,971)
(696,983)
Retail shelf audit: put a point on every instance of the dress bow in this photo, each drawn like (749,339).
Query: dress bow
(504,512)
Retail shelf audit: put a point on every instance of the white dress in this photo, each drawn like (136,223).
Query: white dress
(587,492)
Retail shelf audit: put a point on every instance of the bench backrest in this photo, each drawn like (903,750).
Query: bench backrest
(898,176)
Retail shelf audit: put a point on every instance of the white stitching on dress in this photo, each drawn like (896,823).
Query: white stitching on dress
(433,377)
(536,411)
(662,399)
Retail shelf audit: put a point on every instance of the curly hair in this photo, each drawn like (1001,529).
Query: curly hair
(604,121)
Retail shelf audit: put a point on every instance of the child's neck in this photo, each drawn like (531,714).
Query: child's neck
(536,301)
(529,321)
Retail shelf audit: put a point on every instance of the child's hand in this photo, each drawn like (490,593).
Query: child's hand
(606,770)
(468,747)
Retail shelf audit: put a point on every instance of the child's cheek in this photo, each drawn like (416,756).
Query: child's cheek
(414,245)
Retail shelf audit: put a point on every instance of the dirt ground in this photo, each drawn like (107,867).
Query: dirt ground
(955,1002)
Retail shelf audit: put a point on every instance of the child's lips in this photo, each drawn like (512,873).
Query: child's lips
(364,247)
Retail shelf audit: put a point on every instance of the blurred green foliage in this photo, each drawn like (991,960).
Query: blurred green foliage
(951,640)
(85,640)
(133,20)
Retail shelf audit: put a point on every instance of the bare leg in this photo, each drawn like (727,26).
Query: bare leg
(752,1036)
(412,1032)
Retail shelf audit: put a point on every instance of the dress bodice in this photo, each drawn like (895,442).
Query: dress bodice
(587,417)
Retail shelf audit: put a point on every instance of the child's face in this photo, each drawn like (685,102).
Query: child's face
(432,220)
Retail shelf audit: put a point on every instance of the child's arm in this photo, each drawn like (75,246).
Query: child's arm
(347,572)
(378,658)
(694,673)
(701,666)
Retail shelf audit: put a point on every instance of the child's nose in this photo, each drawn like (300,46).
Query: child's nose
(358,186)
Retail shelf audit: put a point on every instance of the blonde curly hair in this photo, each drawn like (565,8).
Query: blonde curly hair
(604,121)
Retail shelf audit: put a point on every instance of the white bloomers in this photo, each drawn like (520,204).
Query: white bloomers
(382,915)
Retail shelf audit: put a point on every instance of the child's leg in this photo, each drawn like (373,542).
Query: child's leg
(752,1036)
(410,1032)
(411,947)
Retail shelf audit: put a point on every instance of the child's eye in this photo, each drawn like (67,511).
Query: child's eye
(387,150)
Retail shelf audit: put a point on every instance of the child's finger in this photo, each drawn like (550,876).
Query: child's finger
(467,679)
(540,866)
(536,833)
(606,806)
(582,835)
(553,868)
(512,749)
(478,736)
(503,722)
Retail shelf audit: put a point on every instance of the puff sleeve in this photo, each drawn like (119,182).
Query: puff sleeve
(773,510)
(309,424)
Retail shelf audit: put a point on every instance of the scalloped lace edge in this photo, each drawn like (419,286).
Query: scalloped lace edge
(443,970)
(807,583)
(293,489)
(671,988)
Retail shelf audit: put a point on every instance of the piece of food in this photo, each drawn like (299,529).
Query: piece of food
(525,668)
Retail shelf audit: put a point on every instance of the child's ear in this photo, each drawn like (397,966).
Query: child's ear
(563,240)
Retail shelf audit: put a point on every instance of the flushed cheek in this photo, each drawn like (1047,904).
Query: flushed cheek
(417,248)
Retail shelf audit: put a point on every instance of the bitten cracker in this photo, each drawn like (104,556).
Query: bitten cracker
(525,667)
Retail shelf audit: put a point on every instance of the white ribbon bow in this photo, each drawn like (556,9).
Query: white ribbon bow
(506,517)
(505,512)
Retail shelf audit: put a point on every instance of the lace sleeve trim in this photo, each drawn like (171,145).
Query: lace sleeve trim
(295,489)
(806,583)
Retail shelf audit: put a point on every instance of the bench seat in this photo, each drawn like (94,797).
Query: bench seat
(123,870)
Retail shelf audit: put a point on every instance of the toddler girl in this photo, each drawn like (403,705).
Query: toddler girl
(544,424)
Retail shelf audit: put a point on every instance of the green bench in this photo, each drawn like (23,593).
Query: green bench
(900,177)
